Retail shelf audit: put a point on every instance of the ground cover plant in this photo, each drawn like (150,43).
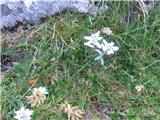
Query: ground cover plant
(55,75)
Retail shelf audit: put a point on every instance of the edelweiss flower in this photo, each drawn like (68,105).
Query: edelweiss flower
(107,31)
(23,114)
(100,45)
(109,48)
(38,96)
(100,57)
(93,40)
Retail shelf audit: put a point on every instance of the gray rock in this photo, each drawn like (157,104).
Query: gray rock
(17,12)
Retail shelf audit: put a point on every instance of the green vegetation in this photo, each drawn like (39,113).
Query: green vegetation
(75,76)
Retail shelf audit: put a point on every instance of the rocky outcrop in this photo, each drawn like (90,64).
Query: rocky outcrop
(20,12)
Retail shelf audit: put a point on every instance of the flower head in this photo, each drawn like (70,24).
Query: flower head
(23,114)
(107,31)
(109,48)
(139,87)
(93,40)
(40,90)
(38,97)
(74,113)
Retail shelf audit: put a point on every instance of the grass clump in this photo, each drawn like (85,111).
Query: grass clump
(55,55)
